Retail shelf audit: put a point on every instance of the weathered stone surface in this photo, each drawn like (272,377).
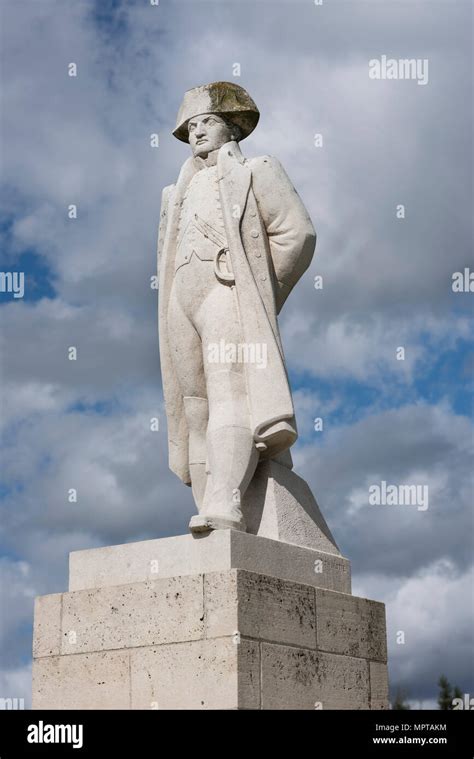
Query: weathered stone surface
(378,685)
(217,551)
(279,505)
(233,638)
(86,681)
(350,625)
(208,674)
(47,627)
(140,614)
(259,606)
(297,678)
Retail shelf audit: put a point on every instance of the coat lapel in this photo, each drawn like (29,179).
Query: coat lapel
(234,178)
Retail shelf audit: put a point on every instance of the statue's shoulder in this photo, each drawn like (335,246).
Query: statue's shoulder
(166,191)
(267,173)
(266,169)
(263,163)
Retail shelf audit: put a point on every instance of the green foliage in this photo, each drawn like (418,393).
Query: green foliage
(399,702)
(447,693)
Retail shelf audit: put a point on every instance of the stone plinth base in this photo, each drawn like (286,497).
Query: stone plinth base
(227,621)
(215,552)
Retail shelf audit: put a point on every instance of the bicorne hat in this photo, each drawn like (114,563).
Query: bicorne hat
(224,98)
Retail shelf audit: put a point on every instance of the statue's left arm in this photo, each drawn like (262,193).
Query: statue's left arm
(290,232)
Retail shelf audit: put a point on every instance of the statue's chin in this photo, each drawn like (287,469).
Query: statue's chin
(208,156)
(202,151)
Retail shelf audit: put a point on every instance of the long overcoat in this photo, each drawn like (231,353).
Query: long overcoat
(271,242)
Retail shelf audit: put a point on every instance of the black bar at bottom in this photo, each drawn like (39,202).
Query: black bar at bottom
(134,733)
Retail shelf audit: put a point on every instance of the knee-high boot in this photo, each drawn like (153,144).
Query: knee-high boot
(231,453)
(197,414)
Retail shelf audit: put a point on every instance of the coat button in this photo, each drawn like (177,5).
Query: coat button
(254,233)
(263,278)
(253,213)
(258,254)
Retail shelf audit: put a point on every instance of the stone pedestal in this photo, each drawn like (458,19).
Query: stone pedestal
(225,621)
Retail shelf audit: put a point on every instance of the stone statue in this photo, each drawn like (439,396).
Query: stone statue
(157,621)
(234,240)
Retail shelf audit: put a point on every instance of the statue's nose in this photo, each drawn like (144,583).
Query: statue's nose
(200,130)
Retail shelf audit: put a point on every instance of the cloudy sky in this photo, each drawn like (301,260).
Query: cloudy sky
(85,424)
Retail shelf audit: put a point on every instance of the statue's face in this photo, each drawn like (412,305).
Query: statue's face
(207,132)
